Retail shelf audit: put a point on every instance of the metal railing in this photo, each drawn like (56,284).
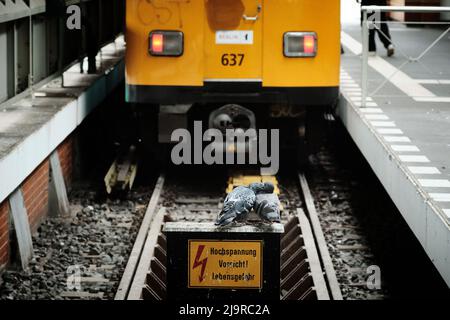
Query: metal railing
(373,23)
(37,43)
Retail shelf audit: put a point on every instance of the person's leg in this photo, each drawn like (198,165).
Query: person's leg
(384,35)
(372,44)
(92,45)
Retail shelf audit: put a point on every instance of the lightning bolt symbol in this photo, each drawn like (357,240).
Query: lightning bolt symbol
(198,262)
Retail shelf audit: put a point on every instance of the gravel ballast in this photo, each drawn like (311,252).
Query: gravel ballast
(82,256)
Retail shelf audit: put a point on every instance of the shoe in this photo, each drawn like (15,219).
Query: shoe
(390,50)
(372,53)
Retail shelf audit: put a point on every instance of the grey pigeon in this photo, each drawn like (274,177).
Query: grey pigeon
(267,206)
(237,206)
(265,187)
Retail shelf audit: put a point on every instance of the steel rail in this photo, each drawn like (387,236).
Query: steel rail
(132,264)
(302,258)
(147,254)
(315,266)
(320,239)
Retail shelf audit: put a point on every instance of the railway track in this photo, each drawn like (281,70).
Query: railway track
(306,272)
(340,196)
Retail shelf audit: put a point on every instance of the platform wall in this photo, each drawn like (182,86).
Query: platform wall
(4,234)
(65,153)
(35,194)
(35,190)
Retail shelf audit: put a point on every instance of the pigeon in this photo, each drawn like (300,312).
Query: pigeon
(267,206)
(237,206)
(258,188)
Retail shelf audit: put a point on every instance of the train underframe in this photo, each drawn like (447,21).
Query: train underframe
(298,116)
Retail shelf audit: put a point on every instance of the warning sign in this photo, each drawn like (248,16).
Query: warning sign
(225,264)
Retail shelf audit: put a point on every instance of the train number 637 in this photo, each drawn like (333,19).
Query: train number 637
(232,59)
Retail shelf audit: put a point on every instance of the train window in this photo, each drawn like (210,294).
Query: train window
(166,43)
(300,44)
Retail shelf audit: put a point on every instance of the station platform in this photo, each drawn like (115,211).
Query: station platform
(404,130)
(34,124)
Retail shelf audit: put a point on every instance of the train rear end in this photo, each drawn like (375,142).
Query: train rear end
(237,64)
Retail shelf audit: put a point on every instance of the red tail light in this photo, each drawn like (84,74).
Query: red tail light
(300,44)
(166,43)
(157,43)
(309,44)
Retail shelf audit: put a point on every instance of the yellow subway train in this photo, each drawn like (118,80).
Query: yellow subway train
(232,63)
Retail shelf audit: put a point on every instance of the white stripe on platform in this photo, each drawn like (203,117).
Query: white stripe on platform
(440,197)
(433,81)
(351,90)
(398,78)
(368,104)
(447,213)
(424,170)
(432,99)
(419,159)
(355,94)
(371,110)
(376,117)
(396,139)
(385,124)
(354,46)
(434,183)
(368,99)
(403,148)
(389,131)
(350,85)
(350,80)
